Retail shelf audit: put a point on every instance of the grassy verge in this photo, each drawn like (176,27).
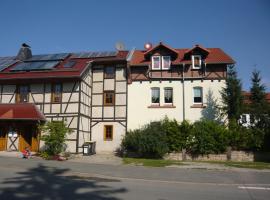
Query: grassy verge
(151,162)
(250,165)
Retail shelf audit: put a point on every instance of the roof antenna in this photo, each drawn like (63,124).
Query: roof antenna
(120,46)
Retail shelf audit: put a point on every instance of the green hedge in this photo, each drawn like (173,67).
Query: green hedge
(156,139)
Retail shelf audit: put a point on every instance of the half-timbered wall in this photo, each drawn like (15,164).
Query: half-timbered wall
(84,121)
(116,114)
(67,109)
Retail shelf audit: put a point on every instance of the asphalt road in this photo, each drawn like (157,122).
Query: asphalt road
(50,180)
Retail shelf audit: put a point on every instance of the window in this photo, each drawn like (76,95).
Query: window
(168,95)
(108,98)
(197,95)
(155,62)
(155,96)
(196,62)
(56,93)
(108,132)
(109,72)
(244,118)
(166,62)
(22,94)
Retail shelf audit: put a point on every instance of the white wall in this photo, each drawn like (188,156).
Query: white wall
(98,136)
(139,100)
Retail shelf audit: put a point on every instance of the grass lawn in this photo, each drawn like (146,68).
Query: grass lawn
(151,162)
(250,165)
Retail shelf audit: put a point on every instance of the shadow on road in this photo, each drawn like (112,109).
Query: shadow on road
(46,183)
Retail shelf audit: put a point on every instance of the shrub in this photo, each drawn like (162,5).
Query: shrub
(174,137)
(148,142)
(207,137)
(54,137)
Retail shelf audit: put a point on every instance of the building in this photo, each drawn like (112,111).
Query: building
(101,95)
(246,119)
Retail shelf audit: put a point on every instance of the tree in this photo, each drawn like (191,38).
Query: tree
(212,111)
(232,98)
(258,103)
(259,111)
(54,137)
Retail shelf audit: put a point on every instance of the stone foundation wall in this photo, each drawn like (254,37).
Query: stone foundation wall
(242,156)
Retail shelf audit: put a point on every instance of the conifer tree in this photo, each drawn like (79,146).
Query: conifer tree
(232,98)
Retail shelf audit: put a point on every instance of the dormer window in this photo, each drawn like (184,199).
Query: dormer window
(166,62)
(161,62)
(156,62)
(196,61)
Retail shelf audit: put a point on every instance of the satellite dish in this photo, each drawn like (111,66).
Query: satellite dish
(120,46)
(147,45)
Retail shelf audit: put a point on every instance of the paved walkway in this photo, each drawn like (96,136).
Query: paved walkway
(111,159)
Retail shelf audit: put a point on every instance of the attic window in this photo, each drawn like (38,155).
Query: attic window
(166,62)
(156,62)
(196,61)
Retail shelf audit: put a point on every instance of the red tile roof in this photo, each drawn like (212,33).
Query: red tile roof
(59,71)
(20,111)
(248,94)
(215,56)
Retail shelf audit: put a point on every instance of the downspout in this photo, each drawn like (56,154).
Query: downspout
(183,88)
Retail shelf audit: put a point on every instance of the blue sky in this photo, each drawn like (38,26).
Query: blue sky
(240,27)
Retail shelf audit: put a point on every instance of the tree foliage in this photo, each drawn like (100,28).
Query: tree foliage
(232,98)
(55,133)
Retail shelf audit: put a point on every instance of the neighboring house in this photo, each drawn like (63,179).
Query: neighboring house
(246,119)
(174,82)
(101,95)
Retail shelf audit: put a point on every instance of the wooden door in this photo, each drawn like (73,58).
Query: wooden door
(25,139)
(29,138)
(3,138)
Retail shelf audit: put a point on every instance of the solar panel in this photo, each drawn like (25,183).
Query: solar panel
(94,54)
(48,57)
(33,66)
(70,64)
(5,62)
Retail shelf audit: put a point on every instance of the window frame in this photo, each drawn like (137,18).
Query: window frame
(105,138)
(159,57)
(151,92)
(18,94)
(193,61)
(108,76)
(198,87)
(53,94)
(168,88)
(104,97)
(163,62)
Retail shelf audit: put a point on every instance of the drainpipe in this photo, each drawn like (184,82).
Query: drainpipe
(183,88)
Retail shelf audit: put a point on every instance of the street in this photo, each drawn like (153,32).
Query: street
(52,180)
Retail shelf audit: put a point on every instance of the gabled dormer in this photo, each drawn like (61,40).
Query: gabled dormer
(196,54)
(161,56)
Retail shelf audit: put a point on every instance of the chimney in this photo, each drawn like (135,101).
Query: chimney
(24,52)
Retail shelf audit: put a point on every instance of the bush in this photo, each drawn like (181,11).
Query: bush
(148,142)
(174,137)
(54,138)
(207,137)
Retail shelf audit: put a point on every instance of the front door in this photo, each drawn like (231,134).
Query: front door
(3,138)
(28,138)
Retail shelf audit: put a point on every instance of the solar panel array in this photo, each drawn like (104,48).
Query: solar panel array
(5,62)
(48,57)
(30,66)
(94,54)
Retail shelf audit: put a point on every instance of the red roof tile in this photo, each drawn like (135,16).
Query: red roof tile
(215,56)
(248,94)
(59,71)
(20,111)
